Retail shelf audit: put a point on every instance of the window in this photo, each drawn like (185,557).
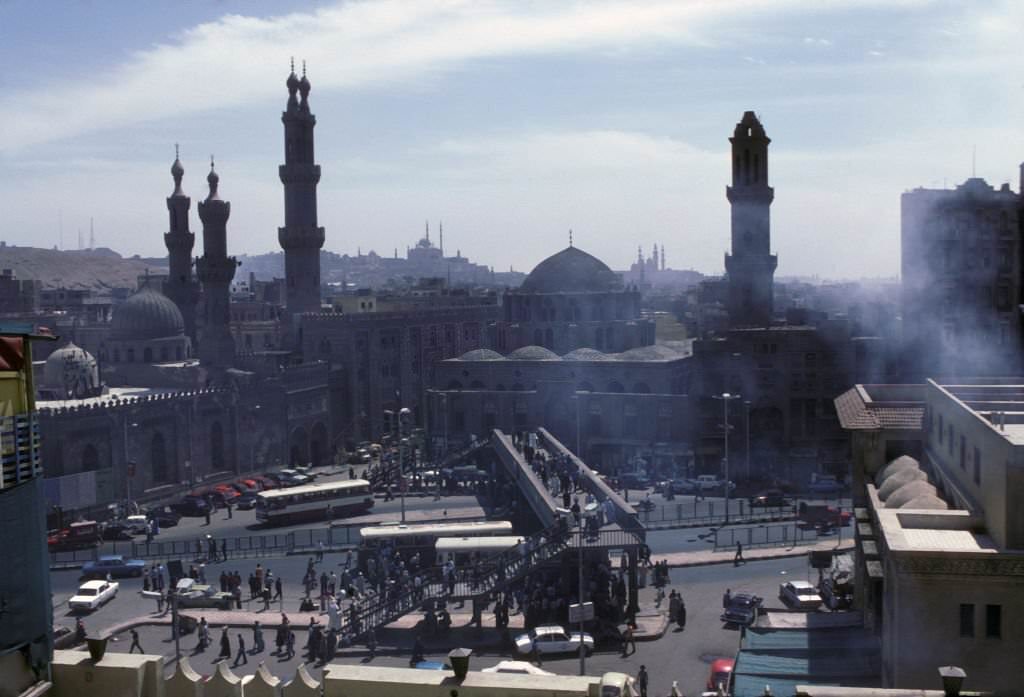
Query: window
(994,621)
(977,466)
(966,620)
(949,444)
(963,453)
(942,428)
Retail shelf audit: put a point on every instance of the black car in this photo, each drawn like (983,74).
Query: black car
(742,609)
(114,531)
(246,501)
(769,498)
(192,506)
(837,593)
(165,517)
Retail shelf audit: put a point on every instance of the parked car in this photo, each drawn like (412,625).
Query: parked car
(114,565)
(837,591)
(709,482)
(115,530)
(826,484)
(192,594)
(553,639)
(92,594)
(769,498)
(263,482)
(742,609)
(633,480)
(246,501)
(516,668)
(800,595)
(138,524)
(192,505)
(293,477)
(165,516)
(227,492)
(721,673)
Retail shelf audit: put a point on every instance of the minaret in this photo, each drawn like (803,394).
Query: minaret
(440,235)
(181,287)
(215,270)
(301,237)
(751,265)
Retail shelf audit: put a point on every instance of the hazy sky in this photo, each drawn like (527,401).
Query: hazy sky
(510,121)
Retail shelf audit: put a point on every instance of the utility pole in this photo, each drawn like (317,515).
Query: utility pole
(726,398)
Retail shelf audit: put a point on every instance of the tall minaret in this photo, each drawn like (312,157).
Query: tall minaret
(300,237)
(215,271)
(751,265)
(180,286)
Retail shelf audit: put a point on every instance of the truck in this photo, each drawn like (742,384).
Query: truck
(822,515)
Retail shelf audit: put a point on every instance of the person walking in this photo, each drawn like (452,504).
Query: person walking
(628,641)
(227,505)
(257,637)
(202,635)
(739,554)
(320,550)
(135,642)
(224,548)
(225,646)
(641,681)
(676,692)
(673,606)
(290,643)
(278,589)
(240,657)
(681,613)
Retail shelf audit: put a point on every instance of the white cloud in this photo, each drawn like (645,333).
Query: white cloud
(812,41)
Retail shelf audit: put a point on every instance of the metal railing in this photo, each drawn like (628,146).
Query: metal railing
(20,451)
(785,535)
(701,513)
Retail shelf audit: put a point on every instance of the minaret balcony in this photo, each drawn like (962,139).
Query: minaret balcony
(300,237)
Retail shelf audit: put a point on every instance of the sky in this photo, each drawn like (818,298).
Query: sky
(511,122)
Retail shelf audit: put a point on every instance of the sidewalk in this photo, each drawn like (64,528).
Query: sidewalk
(725,556)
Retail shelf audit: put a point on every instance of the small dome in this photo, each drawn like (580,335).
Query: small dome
(898,479)
(571,271)
(71,371)
(533,353)
(149,314)
(931,503)
(177,171)
(900,463)
(656,352)
(586,354)
(908,492)
(481,355)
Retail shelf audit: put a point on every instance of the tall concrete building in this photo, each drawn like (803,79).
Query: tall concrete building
(301,237)
(961,274)
(751,265)
(215,270)
(181,286)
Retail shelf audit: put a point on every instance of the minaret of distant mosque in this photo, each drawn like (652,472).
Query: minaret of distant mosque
(215,270)
(301,237)
(181,286)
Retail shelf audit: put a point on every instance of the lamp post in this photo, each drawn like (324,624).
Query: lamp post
(726,398)
(583,648)
(746,403)
(129,465)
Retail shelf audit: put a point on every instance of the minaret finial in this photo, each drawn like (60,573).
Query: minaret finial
(211,161)
(177,155)
(570,237)
(293,65)
(303,68)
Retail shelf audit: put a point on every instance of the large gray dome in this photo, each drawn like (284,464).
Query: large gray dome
(571,271)
(149,314)
(533,353)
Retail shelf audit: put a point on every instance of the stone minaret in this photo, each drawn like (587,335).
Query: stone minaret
(751,265)
(181,286)
(300,237)
(215,271)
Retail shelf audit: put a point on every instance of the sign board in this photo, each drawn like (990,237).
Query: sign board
(581,613)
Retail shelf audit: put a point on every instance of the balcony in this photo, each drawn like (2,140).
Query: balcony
(20,449)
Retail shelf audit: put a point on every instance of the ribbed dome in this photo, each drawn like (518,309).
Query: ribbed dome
(571,271)
(897,479)
(71,371)
(481,355)
(908,492)
(533,353)
(149,314)
(903,462)
(586,354)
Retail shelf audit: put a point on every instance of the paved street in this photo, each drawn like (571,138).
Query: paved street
(680,655)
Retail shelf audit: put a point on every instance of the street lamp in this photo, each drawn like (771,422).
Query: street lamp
(585,512)
(746,403)
(726,398)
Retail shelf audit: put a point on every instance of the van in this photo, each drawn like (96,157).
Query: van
(137,524)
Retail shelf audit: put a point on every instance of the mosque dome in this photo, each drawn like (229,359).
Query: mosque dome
(533,353)
(149,314)
(571,271)
(586,354)
(71,371)
(481,355)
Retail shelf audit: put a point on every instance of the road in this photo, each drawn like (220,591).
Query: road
(679,655)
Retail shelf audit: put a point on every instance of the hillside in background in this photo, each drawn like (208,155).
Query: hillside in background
(98,269)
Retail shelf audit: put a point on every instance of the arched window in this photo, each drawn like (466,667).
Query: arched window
(163,354)
(599,339)
(549,338)
(117,355)
(90,459)
(538,337)
(147,355)
(609,339)
(129,355)
(616,386)
(490,417)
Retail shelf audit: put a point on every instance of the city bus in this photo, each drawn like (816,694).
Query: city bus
(466,551)
(421,537)
(314,501)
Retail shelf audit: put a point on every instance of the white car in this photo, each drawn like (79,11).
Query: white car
(137,524)
(553,639)
(800,594)
(92,594)
(516,667)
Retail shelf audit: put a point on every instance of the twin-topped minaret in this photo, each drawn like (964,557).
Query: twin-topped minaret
(301,237)
(215,270)
(751,265)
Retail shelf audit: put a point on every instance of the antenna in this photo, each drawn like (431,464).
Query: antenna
(92,236)
(974,161)
(79,239)
(60,228)
(570,237)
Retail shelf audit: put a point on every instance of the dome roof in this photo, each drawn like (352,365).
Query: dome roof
(586,354)
(898,479)
(71,371)
(149,314)
(571,271)
(533,353)
(656,352)
(481,355)
(927,502)
(908,492)
(903,462)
